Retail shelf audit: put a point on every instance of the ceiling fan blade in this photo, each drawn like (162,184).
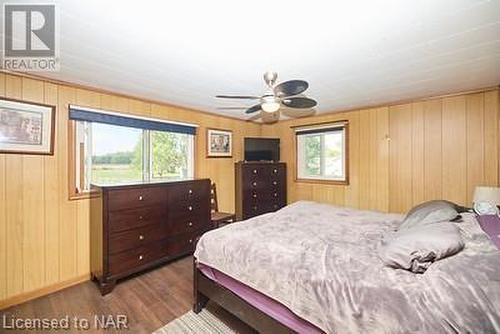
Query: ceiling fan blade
(253,109)
(299,102)
(290,88)
(249,97)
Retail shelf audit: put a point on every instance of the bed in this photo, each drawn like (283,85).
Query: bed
(313,268)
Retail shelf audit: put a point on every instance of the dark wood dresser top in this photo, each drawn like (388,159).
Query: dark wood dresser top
(135,184)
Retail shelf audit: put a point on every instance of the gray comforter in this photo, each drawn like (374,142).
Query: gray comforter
(321,262)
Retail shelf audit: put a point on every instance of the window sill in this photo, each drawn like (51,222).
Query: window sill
(84,195)
(324,181)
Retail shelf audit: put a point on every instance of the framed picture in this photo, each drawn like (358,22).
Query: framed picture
(26,128)
(219,143)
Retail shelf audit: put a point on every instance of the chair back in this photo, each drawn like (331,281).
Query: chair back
(214,207)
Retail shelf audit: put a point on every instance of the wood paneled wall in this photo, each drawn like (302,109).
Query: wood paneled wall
(404,154)
(44,237)
(399,156)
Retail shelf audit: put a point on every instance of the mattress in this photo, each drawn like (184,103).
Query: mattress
(321,262)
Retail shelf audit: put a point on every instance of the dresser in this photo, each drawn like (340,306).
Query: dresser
(135,227)
(260,188)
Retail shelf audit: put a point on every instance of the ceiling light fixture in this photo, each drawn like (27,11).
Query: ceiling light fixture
(270,104)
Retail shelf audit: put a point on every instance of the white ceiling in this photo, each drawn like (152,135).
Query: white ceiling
(352,53)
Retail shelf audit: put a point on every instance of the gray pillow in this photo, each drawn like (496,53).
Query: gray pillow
(417,248)
(429,213)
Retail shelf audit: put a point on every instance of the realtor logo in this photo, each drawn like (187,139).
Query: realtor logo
(29,42)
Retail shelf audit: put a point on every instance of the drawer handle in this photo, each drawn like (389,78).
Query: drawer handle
(275,183)
(190,241)
(254,184)
(141,198)
(255,171)
(140,217)
(190,191)
(141,237)
(275,194)
(190,224)
(141,257)
(254,195)
(275,171)
(190,208)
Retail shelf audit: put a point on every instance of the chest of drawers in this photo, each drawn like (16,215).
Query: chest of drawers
(135,227)
(260,188)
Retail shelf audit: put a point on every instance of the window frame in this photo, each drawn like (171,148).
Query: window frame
(344,125)
(74,193)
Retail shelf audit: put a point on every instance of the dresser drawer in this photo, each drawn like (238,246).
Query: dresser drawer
(262,195)
(183,243)
(263,172)
(277,171)
(255,172)
(135,198)
(189,210)
(188,224)
(134,218)
(255,208)
(189,192)
(129,260)
(257,184)
(275,183)
(138,237)
(266,186)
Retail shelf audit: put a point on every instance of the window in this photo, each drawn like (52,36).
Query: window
(322,153)
(115,154)
(171,155)
(112,153)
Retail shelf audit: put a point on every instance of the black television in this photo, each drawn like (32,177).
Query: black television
(262,149)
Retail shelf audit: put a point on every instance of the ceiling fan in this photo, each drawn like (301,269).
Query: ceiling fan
(285,94)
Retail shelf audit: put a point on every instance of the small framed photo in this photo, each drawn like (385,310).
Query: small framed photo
(26,128)
(219,143)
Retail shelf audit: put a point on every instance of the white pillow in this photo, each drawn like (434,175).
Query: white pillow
(429,213)
(417,248)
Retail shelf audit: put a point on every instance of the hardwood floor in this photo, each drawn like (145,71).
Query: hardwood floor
(149,301)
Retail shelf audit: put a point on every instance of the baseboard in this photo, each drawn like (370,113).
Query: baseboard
(26,296)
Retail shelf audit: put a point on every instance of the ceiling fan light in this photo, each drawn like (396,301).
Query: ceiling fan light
(271,106)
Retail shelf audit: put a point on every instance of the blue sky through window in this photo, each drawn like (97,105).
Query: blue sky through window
(111,138)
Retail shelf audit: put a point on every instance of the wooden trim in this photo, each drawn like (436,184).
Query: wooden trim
(81,164)
(195,154)
(26,296)
(208,143)
(83,195)
(325,181)
(52,127)
(110,92)
(339,123)
(73,193)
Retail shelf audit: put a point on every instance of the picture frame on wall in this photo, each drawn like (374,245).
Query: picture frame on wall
(219,143)
(26,127)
